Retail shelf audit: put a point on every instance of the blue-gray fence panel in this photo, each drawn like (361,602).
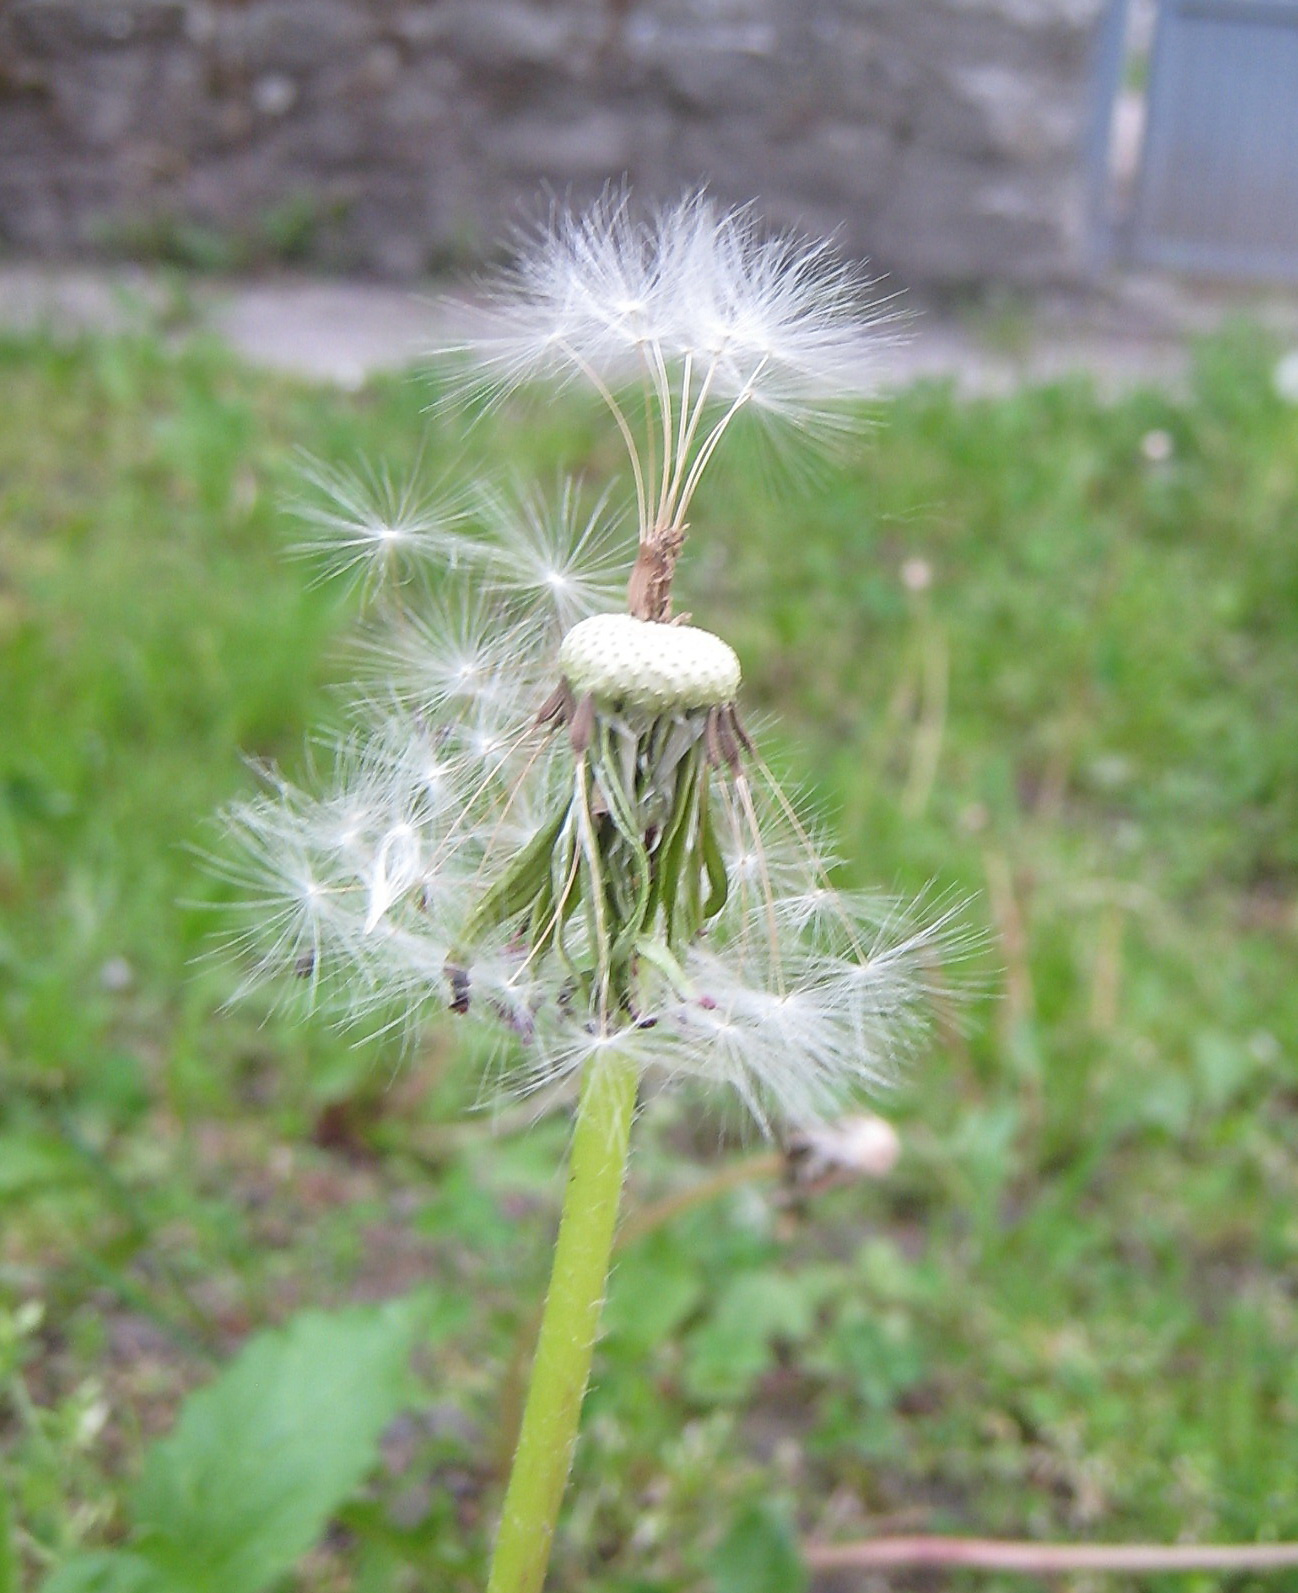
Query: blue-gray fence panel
(1104,224)
(1218,186)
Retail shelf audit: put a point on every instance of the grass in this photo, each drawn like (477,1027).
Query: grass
(1070,1312)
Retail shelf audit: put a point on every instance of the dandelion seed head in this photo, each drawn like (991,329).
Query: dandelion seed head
(546,816)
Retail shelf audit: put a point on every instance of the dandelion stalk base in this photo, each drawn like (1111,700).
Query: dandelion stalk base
(569,1324)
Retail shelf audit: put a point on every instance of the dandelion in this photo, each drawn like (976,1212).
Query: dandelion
(552,820)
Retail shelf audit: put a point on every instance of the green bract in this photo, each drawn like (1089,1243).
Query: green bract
(628,865)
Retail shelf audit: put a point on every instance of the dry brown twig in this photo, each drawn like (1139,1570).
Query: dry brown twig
(1046,1559)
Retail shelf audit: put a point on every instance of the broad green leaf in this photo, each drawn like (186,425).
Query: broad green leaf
(759,1555)
(113,1571)
(263,1457)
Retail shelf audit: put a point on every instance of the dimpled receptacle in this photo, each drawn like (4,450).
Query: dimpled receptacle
(623,661)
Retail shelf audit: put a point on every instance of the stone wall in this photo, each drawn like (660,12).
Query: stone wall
(942,138)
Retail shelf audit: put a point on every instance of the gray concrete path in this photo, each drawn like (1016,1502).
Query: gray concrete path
(341,331)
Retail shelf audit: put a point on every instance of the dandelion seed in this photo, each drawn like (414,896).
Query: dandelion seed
(460,653)
(553,558)
(373,530)
(297,913)
(394,871)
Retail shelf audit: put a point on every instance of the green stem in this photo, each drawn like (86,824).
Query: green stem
(566,1341)
(8,1549)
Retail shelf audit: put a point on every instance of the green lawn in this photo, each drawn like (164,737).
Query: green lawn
(1073,1309)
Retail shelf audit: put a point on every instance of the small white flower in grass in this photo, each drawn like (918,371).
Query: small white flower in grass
(861,1145)
(1285,377)
(1158,446)
(917,575)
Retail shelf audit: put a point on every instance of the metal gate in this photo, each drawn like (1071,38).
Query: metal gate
(1217,184)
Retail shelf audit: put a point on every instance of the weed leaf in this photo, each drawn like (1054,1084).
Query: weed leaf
(110,1572)
(261,1459)
(759,1555)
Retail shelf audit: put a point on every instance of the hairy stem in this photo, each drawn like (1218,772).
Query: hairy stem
(568,1326)
(766,1164)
